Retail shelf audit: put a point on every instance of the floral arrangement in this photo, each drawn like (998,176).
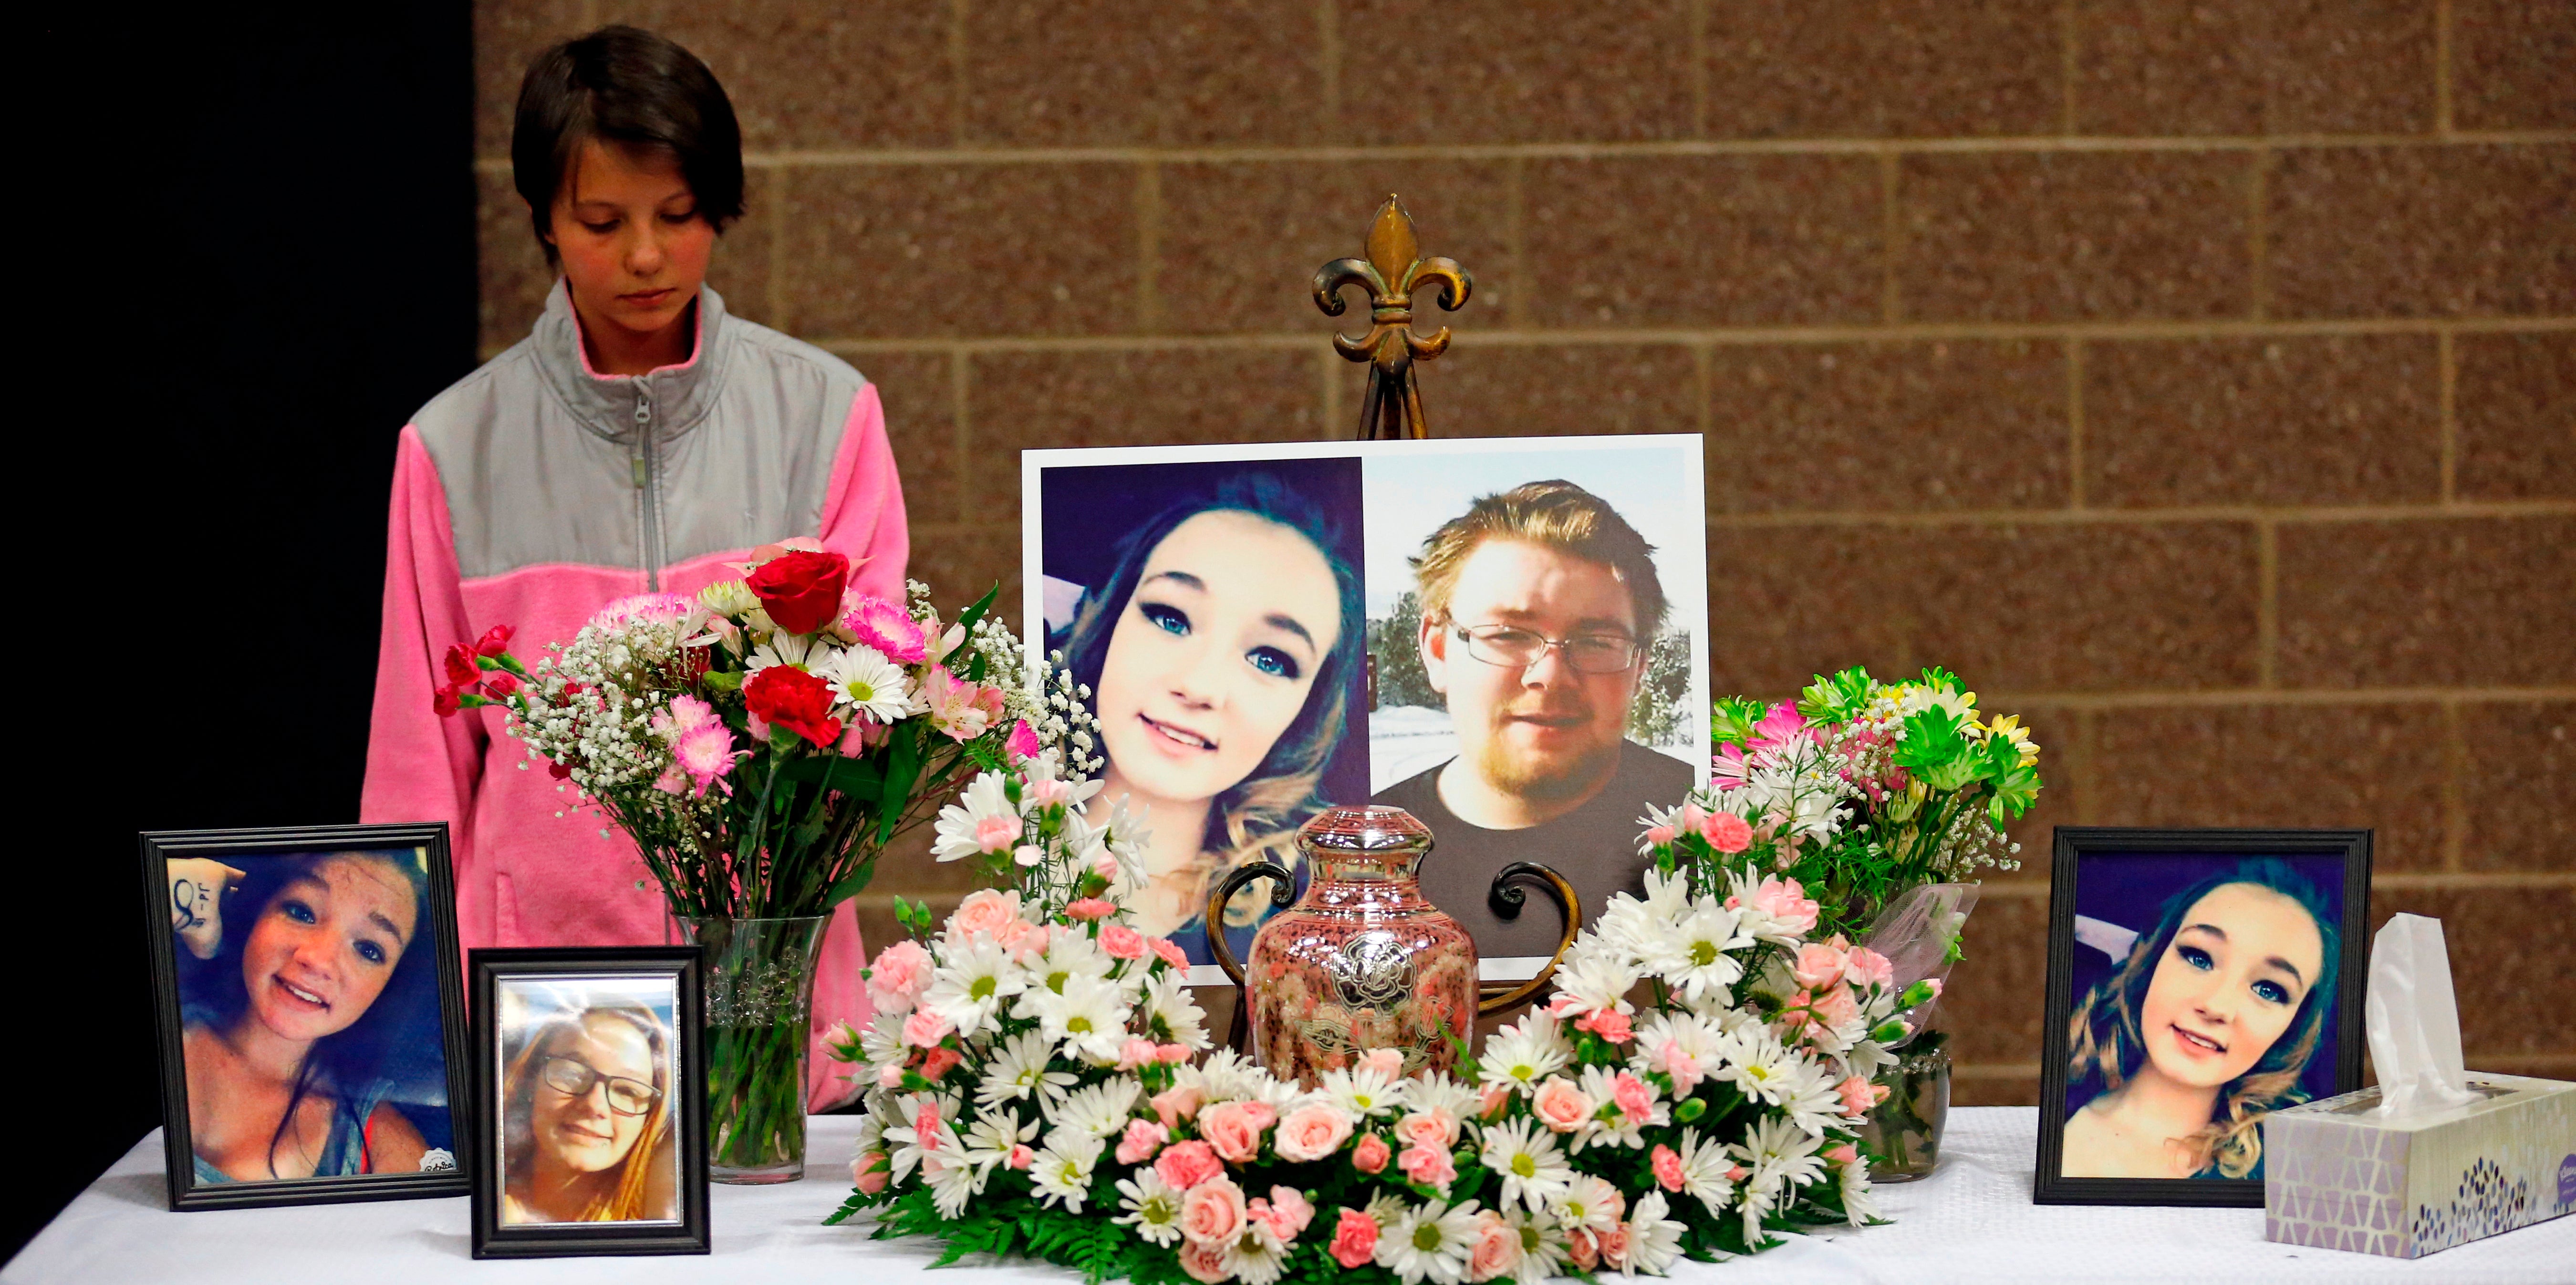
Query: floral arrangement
(1858,792)
(762,742)
(1033,1086)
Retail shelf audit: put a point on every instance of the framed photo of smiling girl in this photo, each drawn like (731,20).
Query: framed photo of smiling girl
(310,1014)
(591,1102)
(2198,981)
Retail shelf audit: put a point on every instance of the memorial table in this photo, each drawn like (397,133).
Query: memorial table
(1971,1223)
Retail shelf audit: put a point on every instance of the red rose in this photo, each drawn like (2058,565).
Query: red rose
(795,700)
(494,641)
(800,590)
(461,669)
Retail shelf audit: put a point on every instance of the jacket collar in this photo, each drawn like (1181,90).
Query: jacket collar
(676,397)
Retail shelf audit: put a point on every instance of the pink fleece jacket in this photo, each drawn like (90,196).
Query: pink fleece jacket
(535,491)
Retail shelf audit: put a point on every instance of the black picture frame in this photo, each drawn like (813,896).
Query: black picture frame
(158,847)
(683,965)
(2072,846)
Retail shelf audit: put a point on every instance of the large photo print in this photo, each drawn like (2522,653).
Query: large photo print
(1502,636)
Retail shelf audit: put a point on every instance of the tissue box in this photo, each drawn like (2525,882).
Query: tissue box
(2338,1176)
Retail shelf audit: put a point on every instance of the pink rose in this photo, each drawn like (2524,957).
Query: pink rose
(939,1061)
(898,977)
(1658,835)
(870,1172)
(1866,967)
(1432,1128)
(1561,1106)
(890,1076)
(1490,1100)
(1386,1062)
(1726,832)
(1105,866)
(1122,942)
(1285,1213)
(1233,1130)
(1168,952)
(1842,1154)
(1090,908)
(1837,1008)
(996,914)
(1430,1166)
(1585,1251)
(1668,1168)
(1856,1096)
(1021,1157)
(998,831)
(1204,1263)
(1608,1023)
(1634,1096)
(1614,1245)
(1177,1104)
(1371,1155)
(1817,965)
(925,1029)
(1137,1051)
(1046,793)
(1312,1132)
(1496,1249)
(1354,1239)
(1184,1165)
(1142,1139)
(1213,1212)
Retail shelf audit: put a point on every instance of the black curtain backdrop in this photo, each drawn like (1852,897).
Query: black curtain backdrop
(252,243)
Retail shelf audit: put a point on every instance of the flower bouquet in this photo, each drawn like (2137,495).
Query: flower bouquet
(762,743)
(1883,801)
(1031,1086)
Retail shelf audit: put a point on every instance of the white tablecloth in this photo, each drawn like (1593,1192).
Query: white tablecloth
(1972,1222)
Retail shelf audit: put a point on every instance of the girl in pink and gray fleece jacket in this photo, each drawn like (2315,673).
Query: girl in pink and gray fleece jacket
(638,439)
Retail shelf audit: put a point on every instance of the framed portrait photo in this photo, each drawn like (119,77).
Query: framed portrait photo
(2198,980)
(590,1102)
(1507,637)
(311,1019)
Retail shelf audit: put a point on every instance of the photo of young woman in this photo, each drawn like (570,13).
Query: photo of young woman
(586,1103)
(2217,1010)
(310,1032)
(1221,638)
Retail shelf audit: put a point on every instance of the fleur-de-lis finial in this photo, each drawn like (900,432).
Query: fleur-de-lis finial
(1393,271)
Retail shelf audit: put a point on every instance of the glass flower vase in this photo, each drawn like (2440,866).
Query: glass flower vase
(759,1007)
(1903,1134)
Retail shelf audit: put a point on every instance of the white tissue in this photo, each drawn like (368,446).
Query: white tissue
(2414,1019)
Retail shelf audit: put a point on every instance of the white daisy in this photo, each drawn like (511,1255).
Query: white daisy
(1018,1069)
(1099,1110)
(1069,953)
(1256,1257)
(1521,1055)
(1654,1241)
(1858,1204)
(1619,1128)
(1705,1169)
(1363,1092)
(1429,1242)
(1808,1095)
(1588,1202)
(957,831)
(1170,1014)
(1534,1172)
(1778,1155)
(796,651)
(917,1137)
(1757,1064)
(1681,1045)
(1064,1179)
(864,680)
(990,1140)
(1441,1093)
(952,1182)
(1696,955)
(1596,982)
(1089,1015)
(1385,1207)
(1226,1074)
(1543,1248)
(969,988)
(1153,1208)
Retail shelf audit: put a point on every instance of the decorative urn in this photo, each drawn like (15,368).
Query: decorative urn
(1362,961)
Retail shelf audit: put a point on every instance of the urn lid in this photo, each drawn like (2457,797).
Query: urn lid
(1364,829)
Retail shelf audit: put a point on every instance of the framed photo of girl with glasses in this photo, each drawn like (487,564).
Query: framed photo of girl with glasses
(312,1026)
(2198,980)
(590,1103)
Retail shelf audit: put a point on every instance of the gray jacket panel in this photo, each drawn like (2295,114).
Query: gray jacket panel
(544,462)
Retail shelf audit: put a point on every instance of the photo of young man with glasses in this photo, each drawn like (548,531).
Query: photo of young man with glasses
(1539,607)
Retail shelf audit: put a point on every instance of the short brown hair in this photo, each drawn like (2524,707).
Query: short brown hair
(1554,514)
(632,88)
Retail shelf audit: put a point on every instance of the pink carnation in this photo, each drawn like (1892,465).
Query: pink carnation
(1668,1168)
(1608,1023)
(1090,908)
(1122,942)
(1634,1096)
(869,1172)
(990,913)
(1137,1051)
(938,1061)
(1866,967)
(1857,1099)
(1285,1213)
(1727,832)
(1023,742)
(1784,901)
(924,1029)
(1431,1128)
(1178,1103)
(1184,1165)
(1354,1239)
(1386,1062)
(1430,1166)
(1168,951)
(1142,1139)
(898,977)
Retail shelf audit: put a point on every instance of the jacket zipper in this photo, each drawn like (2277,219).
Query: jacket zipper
(648,516)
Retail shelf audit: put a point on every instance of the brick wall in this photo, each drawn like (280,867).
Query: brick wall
(2197,379)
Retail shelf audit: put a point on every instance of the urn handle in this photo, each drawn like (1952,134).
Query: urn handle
(1283,889)
(1507,901)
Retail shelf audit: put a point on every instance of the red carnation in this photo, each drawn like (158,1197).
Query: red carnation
(500,684)
(801,590)
(461,669)
(795,700)
(494,641)
(445,700)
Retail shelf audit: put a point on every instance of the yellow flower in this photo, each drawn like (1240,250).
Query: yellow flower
(2009,727)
